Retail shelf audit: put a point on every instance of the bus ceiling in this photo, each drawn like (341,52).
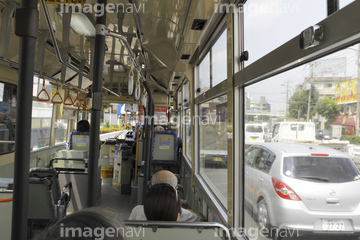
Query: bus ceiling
(162,35)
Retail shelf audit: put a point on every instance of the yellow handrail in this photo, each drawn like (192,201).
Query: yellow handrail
(6,200)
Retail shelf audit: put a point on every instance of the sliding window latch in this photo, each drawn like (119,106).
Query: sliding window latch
(311,37)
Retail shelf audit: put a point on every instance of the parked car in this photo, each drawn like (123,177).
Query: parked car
(254,133)
(307,188)
(293,132)
(323,134)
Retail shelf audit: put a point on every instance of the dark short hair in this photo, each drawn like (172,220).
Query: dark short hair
(162,203)
(83,126)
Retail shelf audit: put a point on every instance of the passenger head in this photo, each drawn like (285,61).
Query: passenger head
(159,128)
(162,203)
(83,126)
(87,224)
(164,176)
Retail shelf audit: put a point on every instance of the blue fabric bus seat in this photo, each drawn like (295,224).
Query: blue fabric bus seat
(79,140)
(165,151)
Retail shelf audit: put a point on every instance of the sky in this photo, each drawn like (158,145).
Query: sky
(268,25)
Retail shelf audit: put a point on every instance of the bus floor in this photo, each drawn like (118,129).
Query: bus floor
(113,199)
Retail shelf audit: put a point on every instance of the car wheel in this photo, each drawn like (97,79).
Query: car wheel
(263,217)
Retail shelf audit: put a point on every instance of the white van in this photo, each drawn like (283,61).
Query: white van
(293,132)
(254,133)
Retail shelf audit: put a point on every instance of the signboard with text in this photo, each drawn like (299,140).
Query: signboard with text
(346,92)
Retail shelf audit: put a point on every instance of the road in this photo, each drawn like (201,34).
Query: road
(105,136)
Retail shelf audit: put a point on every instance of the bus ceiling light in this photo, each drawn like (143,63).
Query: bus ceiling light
(82,25)
(311,37)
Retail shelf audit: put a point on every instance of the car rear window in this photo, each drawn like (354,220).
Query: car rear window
(321,169)
(254,128)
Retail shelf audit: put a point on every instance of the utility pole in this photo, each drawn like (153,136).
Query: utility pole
(358,96)
(311,78)
(308,110)
(287,97)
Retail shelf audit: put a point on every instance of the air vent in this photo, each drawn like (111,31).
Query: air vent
(185,56)
(177,77)
(198,24)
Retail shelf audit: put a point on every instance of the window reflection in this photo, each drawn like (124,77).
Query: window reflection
(213,145)
(41,124)
(7,116)
(219,60)
(187,122)
(61,129)
(204,74)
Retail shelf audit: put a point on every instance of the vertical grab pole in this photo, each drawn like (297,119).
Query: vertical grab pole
(26,27)
(99,54)
(148,135)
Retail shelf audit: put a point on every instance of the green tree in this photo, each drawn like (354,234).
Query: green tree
(329,109)
(299,103)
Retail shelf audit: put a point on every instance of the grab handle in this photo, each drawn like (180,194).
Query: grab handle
(57,94)
(43,90)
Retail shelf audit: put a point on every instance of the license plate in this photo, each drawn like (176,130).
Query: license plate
(333,225)
(254,139)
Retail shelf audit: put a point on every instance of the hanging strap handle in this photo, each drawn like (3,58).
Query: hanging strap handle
(77,102)
(57,94)
(68,97)
(137,88)
(131,79)
(83,103)
(43,90)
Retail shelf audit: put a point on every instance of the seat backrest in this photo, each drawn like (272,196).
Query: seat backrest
(41,207)
(165,146)
(52,175)
(79,140)
(179,230)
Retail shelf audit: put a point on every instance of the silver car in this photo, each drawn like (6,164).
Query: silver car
(307,188)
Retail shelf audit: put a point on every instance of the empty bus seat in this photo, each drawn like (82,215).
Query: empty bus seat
(52,175)
(164,150)
(43,209)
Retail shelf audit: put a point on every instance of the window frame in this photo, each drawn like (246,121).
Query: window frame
(337,38)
